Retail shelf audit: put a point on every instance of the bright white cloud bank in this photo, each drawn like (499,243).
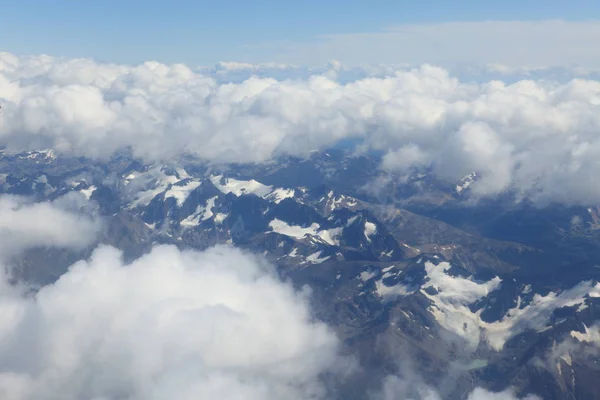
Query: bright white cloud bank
(172,324)
(24,224)
(536,137)
(184,325)
(216,324)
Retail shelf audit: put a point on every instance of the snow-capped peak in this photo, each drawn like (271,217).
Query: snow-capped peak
(465,182)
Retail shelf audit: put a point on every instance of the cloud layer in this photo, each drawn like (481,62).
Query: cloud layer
(24,224)
(395,388)
(513,43)
(215,324)
(533,136)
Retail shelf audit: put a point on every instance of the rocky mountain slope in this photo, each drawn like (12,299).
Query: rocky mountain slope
(407,270)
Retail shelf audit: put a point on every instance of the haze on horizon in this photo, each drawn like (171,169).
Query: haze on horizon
(518,34)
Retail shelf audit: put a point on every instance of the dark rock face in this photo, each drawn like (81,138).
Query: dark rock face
(493,294)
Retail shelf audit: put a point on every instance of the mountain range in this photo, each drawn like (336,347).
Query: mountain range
(409,271)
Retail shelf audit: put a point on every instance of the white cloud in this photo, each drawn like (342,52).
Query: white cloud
(404,158)
(24,224)
(396,388)
(536,137)
(213,324)
(175,324)
(482,394)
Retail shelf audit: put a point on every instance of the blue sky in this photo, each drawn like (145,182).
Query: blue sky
(205,32)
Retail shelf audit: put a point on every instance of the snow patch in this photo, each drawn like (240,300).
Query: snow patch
(219,218)
(298,232)
(280,194)
(455,294)
(589,335)
(148,185)
(47,154)
(335,202)
(388,293)
(315,258)
(330,236)
(88,192)
(465,182)
(450,303)
(240,188)
(181,192)
(365,275)
(351,220)
(202,213)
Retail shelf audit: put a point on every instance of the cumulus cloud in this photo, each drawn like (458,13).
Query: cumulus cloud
(535,137)
(25,224)
(172,324)
(482,394)
(176,324)
(404,158)
(396,388)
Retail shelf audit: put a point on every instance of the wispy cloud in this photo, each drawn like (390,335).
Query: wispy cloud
(512,43)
